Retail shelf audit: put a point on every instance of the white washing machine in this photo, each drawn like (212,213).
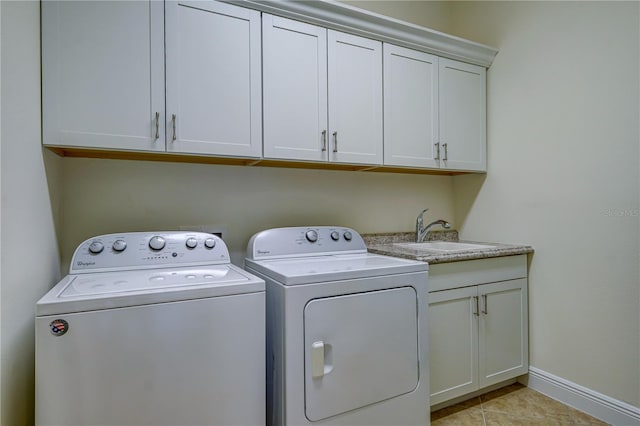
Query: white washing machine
(346,330)
(152,329)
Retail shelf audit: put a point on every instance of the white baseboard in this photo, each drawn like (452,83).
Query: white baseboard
(600,406)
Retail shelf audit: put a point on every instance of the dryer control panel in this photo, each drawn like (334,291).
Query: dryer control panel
(304,241)
(142,250)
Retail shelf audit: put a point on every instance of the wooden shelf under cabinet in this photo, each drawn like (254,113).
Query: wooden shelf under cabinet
(234,161)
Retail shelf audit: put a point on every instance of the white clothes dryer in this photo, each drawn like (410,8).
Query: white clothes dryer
(346,330)
(151,329)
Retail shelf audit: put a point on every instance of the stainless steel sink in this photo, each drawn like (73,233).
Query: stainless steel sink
(447,246)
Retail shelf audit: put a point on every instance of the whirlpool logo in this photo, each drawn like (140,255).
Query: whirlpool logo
(81,263)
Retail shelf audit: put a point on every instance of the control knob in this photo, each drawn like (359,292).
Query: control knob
(210,243)
(312,236)
(347,235)
(335,236)
(96,247)
(191,243)
(156,243)
(119,245)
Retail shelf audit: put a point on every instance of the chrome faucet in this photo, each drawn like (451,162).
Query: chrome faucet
(421,232)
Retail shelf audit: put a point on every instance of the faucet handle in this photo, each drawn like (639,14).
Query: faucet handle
(419,228)
(419,219)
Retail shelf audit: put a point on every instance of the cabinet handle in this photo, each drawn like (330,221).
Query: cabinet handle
(324,140)
(437,157)
(173,123)
(485,310)
(475,312)
(335,141)
(446,154)
(157,126)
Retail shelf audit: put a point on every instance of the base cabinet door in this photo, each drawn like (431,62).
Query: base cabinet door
(503,343)
(478,337)
(453,343)
(214,82)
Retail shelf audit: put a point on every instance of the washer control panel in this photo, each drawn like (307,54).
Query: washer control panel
(304,241)
(141,250)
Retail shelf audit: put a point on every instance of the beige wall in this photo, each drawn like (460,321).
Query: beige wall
(101,196)
(563,138)
(431,14)
(29,264)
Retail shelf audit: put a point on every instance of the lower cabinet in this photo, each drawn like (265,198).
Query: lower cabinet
(478,328)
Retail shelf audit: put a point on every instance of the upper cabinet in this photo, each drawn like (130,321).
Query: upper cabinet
(210,81)
(462,114)
(434,111)
(295,89)
(103,74)
(322,94)
(213,84)
(410,107)
(355,99)
(104,77)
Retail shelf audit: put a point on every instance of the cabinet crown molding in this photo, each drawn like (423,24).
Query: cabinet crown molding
(346,18)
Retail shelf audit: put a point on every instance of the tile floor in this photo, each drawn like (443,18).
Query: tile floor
(514,405)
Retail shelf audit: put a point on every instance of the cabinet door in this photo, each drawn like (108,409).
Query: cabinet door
(295,89)
(213,82)
(462,115)
(453,343)
(103,74)
(503,331)
(410,107)
(355,99)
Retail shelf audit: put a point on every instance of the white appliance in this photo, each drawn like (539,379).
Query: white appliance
(152,329)
(346,330)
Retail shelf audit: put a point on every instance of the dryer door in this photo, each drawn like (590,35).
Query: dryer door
(359,349)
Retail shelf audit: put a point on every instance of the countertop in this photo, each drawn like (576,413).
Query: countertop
(386,244)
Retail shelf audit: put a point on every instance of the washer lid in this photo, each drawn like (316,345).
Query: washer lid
(295,271)
(106,290)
